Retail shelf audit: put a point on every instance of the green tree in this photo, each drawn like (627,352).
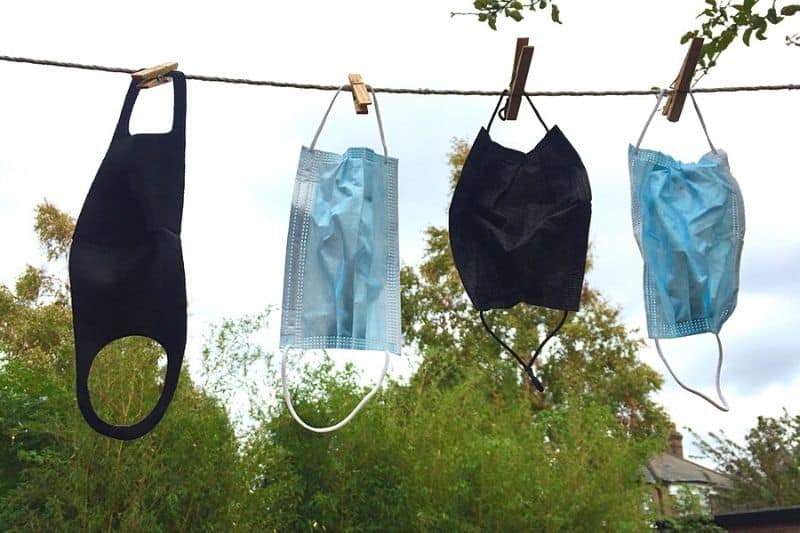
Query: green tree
(690,501)
(428,456)
(764,471)
(58,474)
(691,513)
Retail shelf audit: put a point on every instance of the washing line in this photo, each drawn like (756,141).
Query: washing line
(395,90)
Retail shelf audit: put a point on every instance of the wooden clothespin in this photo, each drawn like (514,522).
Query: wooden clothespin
(154,76)
(361,97)
(683,82)
(519,75)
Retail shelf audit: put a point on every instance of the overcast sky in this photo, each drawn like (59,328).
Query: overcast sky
(243,144)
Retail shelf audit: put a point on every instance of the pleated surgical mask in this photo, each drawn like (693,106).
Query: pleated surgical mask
(688,220)
(342,274)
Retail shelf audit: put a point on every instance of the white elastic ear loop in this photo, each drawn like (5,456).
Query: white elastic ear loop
(288,398)
(380,122)
(377,115)
(650,118)
(325,117)
(702,123)
(724,406)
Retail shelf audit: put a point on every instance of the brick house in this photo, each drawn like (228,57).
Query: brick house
(669,471)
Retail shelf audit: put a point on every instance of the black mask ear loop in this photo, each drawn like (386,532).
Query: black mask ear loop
(527,366)
(497,111)
(501,112)
(536,111)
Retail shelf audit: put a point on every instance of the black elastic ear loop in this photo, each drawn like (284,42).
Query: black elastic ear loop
(541,120)
(547,339)
(527,366)
(497,111)
(501,112)
(503,344)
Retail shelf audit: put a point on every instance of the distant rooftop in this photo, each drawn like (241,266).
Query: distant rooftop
(670,467)
(666,468)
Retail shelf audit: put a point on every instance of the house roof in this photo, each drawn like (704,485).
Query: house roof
(668,469)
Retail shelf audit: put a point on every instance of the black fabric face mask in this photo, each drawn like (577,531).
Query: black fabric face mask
(519,227)
(126,262)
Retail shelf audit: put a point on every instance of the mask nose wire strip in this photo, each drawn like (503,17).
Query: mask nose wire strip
(724,406)
(288,398)
(702,123)
(377,115)
(650,118)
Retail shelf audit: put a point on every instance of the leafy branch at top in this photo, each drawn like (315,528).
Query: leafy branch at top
(488,10)
(723,20)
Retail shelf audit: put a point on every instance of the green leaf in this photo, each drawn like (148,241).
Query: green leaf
(746,36)
(688,35)
(788,11)
(555,14)
(542,4)
(514,14)
(726,38)
(772,16)
(515,5)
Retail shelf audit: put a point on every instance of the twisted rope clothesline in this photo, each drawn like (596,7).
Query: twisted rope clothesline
(440,92)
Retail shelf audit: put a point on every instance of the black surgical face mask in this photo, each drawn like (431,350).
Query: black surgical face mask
(126,263)
(519,227)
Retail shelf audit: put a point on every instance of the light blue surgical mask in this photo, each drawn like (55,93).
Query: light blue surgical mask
(688,219)
(342,276)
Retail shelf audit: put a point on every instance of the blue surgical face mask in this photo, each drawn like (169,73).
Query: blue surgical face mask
(688,219)
(342,276)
